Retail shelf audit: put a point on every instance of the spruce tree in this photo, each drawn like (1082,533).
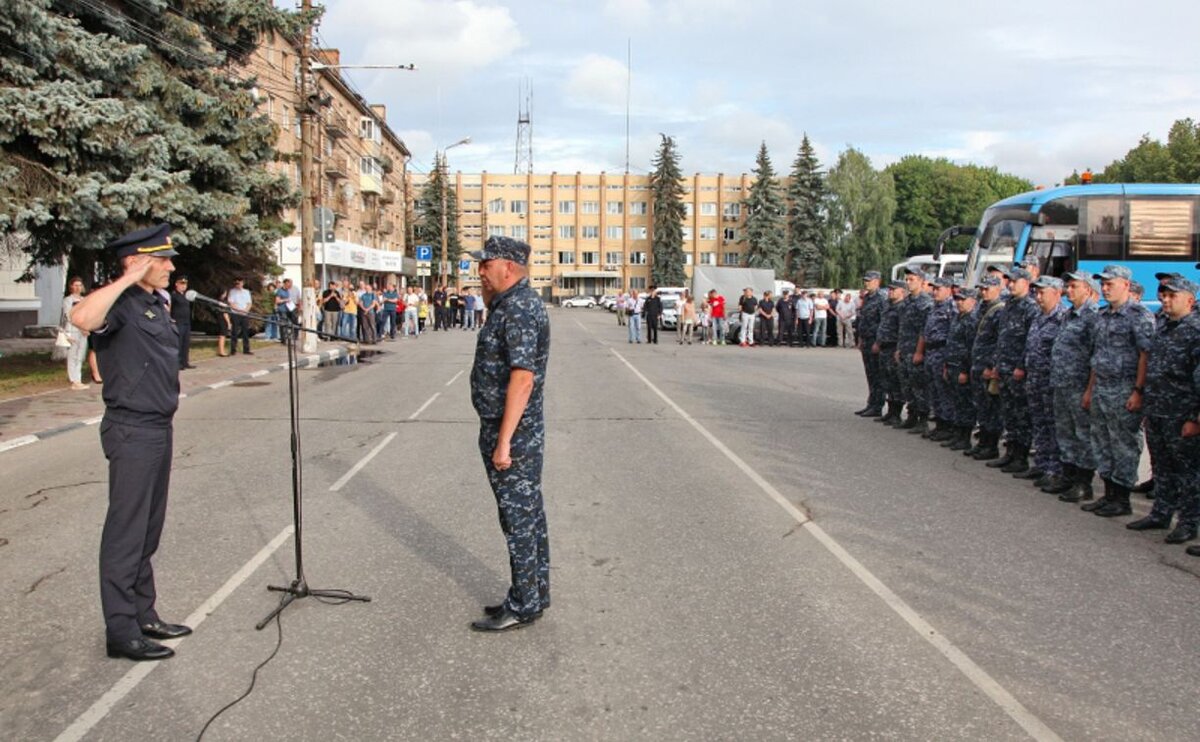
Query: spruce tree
(764,207)
(806,216)
(667,242)
(429,218)
(116,115)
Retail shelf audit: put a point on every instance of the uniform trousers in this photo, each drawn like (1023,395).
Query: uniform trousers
(889,371)
(987,405)
(1042,423)
(1116,434)
(787,330)
(139,473)
(876,392)
(914,384)
(940,402)
(518,492)
(961,400)
(1073,428)
(1014,409)
(185,344)
(1176,476)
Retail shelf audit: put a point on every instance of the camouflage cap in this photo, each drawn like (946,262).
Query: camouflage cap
(914,270)
(1137,288)
(1030,261)
(1016,272)
(1180,284)
(1000,268)
(962,294)
(1114,271)
(872,276)
(1167,276)
(897,285)
(989,281)
(943,282)
(1048,282)
(1077,276)
(505,248)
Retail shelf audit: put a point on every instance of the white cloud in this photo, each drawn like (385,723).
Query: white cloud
(597,82)
(629,13)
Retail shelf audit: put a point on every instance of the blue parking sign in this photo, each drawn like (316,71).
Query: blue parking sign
(464,265)
(424,252)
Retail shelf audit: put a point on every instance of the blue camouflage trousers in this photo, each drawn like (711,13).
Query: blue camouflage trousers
(987,405)
(1176,475)
(1041,419)
(914,385)
(1116,435)
(875,381)
(889,372)
(938,389)
(961,399)
(1073,429)
(518,492)
(1014,407)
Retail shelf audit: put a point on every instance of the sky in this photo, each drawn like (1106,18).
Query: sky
(1037,90)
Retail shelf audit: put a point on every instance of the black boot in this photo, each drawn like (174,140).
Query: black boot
(911,421)
(1033,474)
(922,426)
(1118,503)
(944,434)
(893,412)
(1151,522)
(1142,488)
(988,449)
(963,441)
(955,435)
(1060,483)
(1183,533)
(1006,459)
(1084,487)
(977,446)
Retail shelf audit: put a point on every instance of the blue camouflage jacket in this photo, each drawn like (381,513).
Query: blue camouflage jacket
(937,326)
(1039,344)
(962,339)
(1014,330)
(1120,336)
(983,354)
(871,314)
(1173,370)
(516,335)
(1071,354)
(914,311)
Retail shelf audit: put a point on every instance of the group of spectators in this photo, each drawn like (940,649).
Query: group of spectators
(1074,388)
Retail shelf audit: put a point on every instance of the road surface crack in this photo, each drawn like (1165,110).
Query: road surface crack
(37,583)
(43,496)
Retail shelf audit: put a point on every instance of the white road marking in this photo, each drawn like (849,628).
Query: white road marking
(221,384)
(93,420)
(101,708)
(422,407)
(454,378)
(358,467)
(1034,726)
(260,372)
(24,440)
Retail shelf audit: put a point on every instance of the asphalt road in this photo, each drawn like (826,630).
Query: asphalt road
(734,556)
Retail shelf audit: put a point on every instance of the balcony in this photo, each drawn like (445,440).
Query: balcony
(388,195)
(370,221)
(731,217)
(340,205)
(337,166)
(386,226)
(336,125)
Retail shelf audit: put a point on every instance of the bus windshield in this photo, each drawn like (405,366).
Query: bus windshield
(999,233)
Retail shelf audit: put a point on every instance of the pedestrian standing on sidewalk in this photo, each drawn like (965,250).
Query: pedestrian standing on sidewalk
(748,306)
(511,354)
(633,312)
(687,319)
(76,336)
(331,305)
(239,302)
(181,312)
(652,310)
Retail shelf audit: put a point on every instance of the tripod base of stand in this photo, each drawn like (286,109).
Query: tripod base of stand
(300,589)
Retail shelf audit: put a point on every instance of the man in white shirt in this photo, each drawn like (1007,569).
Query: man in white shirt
(847,311)
(239,325)
(820,315)
(620,304)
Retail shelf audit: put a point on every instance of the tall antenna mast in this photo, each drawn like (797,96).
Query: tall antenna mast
(628,93)
(523,162)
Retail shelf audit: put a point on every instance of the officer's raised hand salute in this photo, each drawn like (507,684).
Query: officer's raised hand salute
(137,348)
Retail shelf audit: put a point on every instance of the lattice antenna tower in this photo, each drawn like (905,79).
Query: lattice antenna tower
(523,162)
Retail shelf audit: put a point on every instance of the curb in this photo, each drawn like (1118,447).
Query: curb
(301,362)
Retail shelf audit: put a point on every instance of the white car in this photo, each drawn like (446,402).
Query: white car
(579,301)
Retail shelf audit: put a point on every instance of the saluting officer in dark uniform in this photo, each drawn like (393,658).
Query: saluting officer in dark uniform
(511,354)
(137,346)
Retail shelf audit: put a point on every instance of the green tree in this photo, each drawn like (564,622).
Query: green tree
(115,115)
(669,213)
(765,227)
(806,216)
(1151,161)
(434,193)
(861,207)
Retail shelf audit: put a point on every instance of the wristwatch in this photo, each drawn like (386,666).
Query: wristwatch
(1140,389)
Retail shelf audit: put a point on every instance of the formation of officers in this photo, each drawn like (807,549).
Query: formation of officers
(1069,386)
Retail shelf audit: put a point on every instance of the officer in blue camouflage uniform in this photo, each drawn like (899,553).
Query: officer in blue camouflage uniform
(913,380)
(1123,333)
(1047,471)
(869,316)
(1070,369)
(885,348)
(931,349)
(1171,405)
(984,386)
(511,354)
(957,373)
(1019,312)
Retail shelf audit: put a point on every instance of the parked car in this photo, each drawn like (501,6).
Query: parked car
(670,313)
(608,301)
(583,300)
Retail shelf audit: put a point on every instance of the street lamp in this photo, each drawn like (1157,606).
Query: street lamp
(445,238)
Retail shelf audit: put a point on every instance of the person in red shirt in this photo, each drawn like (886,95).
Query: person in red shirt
(716,304)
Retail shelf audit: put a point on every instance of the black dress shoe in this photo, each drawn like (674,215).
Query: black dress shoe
(161,630)
(1183,532)
(1142,488)
(139,650)
(504,621)
(1193,551)
(1149,523)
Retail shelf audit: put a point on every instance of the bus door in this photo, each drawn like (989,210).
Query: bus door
(1054,248)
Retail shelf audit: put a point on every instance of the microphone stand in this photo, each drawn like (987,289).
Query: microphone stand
(297,588)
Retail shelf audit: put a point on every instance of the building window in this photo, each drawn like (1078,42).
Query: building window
(368,128)
(731,258)
(370,166)
(637,282)
(614,232)
(496,206)
(566,232)
(687,234)
(637,233)
(729,234)
(615,207)
(612,258)
(688,208)
(733,210)
(566,207)
(590,232)
(708,208)
(495,230)
(517,206)
(590,258)
(590,207)
(637,258)
(687,258)
(708,258)
(708,233)
(520,232)
(566,258)
(637,208)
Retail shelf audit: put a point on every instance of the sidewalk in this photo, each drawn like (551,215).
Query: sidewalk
(25,420)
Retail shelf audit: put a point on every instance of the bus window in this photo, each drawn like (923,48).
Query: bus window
(1101,236)
(1160,228)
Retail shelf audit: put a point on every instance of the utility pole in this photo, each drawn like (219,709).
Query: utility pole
(308,342)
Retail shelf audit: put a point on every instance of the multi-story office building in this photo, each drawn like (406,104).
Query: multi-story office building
(359,161)
(591,234)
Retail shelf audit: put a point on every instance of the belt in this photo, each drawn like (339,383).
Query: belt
(887,346)
(935,345)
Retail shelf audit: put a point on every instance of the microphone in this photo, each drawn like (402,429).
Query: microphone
(193,295)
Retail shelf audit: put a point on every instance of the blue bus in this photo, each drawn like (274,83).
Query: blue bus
(1149,227)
